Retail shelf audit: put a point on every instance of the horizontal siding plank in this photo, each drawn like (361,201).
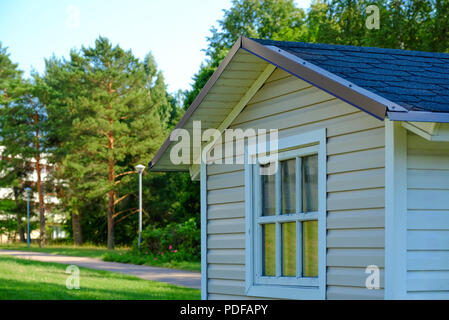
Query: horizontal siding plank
(428,179)
(353,293)
(368,139)
(226,241)
(354,277)
(355,257)
(226,195)
(298,117)
(359,199)
(223,271)
(429,162)
(294,100)
(223,168)
(236,225)
(278,74)
(213,296)
(226,256)
(428,281)
(427,260)
(234,287)
(428,220)
(364,179)
(361,160)
(429,295)
(278,88)
(428,199)
(226,211)
(356,238)
(428,240)
(228,180)
(353,219)
(353,123)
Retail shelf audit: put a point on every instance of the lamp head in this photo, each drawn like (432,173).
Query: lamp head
(27,189)
(140,168)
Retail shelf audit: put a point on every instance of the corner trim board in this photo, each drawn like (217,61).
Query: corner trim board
(395,210)
(203,187)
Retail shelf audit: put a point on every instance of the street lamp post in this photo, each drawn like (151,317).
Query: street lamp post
(28,190)
(140,169)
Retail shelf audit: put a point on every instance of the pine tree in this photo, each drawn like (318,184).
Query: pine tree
(22,129)
(116,110)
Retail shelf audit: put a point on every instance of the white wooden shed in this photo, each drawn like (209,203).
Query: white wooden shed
(363,179)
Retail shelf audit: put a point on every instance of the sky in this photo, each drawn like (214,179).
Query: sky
(174,31)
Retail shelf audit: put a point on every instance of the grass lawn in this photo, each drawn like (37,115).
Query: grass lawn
(89,251)
(27,279)
(118,255)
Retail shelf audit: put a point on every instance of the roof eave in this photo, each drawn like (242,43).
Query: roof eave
(334,85)
(419,116)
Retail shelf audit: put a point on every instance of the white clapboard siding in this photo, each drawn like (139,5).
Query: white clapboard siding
(355,238)
(356,181)
(352,258)
(226,195)
(428,281)
(427,218)
(354,277)
(234,287)
(226,226)
(353,293)
(230,180)
(223,241)
(226,211)
(356,219)
(226,256)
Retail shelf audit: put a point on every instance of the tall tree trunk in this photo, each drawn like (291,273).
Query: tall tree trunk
(111,178)
(111,220)
(43,236)
(76,228)
(20,228)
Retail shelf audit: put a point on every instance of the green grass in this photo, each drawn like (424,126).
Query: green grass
(89,251)
(152,260)
(27,279)
(118,255)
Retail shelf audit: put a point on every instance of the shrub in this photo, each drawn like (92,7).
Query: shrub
(178,241)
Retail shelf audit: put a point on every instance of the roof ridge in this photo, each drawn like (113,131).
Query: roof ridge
(325,46)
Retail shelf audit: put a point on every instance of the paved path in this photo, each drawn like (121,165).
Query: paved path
(178,277)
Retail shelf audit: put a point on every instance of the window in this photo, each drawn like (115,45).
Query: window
(286,217)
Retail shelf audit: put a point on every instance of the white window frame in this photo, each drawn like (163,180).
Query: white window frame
(307,288)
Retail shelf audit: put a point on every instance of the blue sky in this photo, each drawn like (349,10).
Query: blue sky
(174,31)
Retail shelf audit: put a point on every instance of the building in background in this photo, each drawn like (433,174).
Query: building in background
(54,220)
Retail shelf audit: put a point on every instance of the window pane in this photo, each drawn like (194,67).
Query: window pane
(268,194)
(269,249)
(310,183)
(310,248)
(289,249)
(288,186)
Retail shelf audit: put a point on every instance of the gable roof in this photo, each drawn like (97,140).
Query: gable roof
(415,80)
(377,81)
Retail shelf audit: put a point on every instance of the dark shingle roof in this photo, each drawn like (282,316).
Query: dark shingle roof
(415,80)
